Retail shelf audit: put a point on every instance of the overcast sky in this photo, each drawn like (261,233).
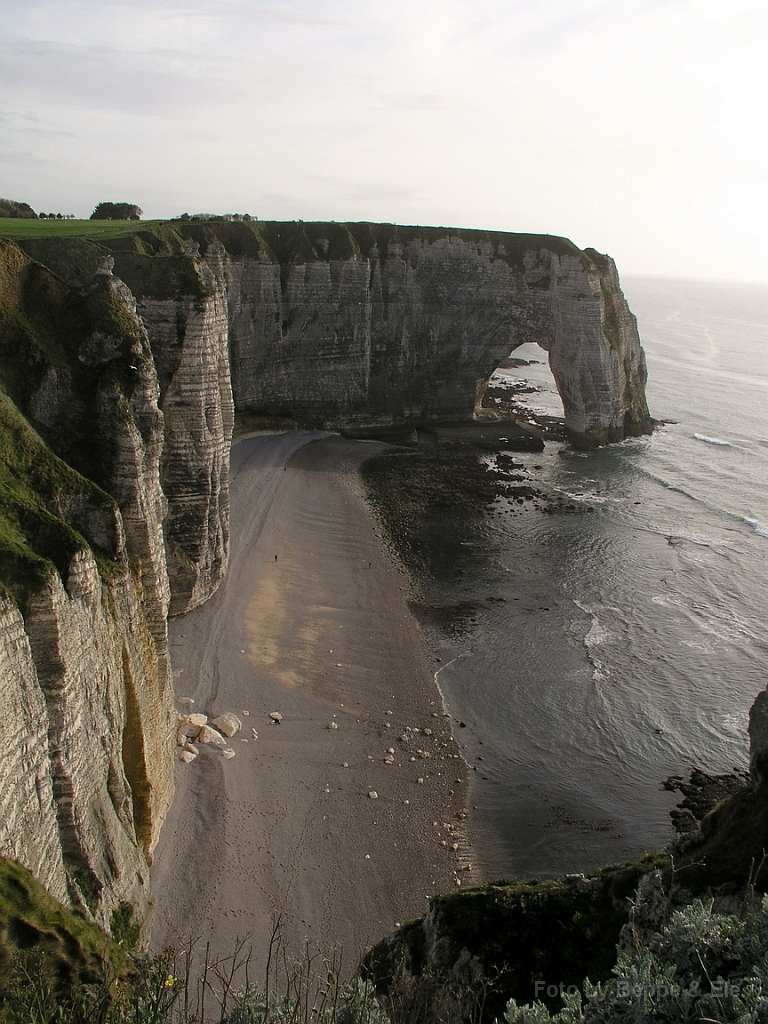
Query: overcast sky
(634,126)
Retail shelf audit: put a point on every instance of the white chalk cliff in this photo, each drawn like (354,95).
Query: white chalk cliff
(122,363)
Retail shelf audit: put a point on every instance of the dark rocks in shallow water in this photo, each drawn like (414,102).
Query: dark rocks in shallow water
(701,794)
(525,443)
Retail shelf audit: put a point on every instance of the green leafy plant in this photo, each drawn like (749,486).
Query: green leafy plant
(702,967)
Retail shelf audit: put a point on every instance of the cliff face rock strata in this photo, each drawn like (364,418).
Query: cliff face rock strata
(379,323)
(87,757)
(339,324)
(107,748)
(189,336)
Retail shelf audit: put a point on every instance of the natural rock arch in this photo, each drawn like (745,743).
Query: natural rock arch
(411,323)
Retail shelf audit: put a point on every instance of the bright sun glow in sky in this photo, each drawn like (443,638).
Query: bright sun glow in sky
(634,126)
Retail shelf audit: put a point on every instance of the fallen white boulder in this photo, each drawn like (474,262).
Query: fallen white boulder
(211,736)
(190,725)
(227,724)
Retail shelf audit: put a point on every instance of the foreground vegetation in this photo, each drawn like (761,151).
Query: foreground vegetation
(696,965)
(701,966)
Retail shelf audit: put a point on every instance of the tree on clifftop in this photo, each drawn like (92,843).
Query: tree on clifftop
(116,211)
(10,208)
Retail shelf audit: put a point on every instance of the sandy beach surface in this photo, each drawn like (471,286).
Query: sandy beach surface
(311,621)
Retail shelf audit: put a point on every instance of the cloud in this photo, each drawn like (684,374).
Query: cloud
(615,121)
(149,82)
(425,102)
(29,124)
(24,159)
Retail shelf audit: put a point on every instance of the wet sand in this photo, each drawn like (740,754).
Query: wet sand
(311,621)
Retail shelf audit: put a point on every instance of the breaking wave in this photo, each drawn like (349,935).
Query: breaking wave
(713,440)
(760,530)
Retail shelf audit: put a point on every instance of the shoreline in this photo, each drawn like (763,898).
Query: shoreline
(287,828)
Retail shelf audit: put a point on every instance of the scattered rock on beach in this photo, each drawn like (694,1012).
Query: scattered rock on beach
(190,725)
(228,753)
(276,717)
(211,736)
(373,795)
(332,725)
(186,756)
(227,724)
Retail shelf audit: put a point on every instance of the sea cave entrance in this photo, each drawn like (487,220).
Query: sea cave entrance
(522,388)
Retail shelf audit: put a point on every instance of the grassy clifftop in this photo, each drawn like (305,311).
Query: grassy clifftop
(284,242)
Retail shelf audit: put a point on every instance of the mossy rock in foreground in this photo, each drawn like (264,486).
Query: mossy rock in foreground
(516,932)
(30,918)
(499,940)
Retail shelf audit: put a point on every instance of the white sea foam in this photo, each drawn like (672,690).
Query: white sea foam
(667,600)
(597,634)
(713,440)
(760,530)
(591,497)
(738,721)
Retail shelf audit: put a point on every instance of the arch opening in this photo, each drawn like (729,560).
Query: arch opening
(523,389)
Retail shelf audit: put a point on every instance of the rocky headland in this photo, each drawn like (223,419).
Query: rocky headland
(123,362)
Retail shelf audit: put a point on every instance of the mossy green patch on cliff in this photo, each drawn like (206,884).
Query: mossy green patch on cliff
(31,918)
(37,491)
(55,341)
(285,242)
(75,259)
(47,312)
(310,241)
(733,845)
(166,277)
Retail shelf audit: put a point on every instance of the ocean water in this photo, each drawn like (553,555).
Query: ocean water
(623,642)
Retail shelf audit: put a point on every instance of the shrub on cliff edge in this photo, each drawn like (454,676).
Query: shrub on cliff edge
(116,211)
(701,967)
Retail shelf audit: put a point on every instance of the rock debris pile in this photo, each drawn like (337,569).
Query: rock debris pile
(195,729)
